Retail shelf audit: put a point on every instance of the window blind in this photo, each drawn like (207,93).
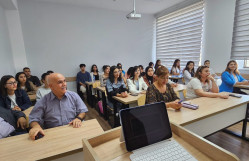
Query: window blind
(179,35)
(240,43)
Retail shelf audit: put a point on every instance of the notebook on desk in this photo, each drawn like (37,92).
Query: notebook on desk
(147,133)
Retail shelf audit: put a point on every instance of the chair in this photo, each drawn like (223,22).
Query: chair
(181,94)
(141,100)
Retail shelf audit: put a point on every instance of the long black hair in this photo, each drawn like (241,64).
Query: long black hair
(187,68)
(27,84)
(104,67)
(149,78)
(4,80)
(156,65)
(134,69)
(93,67)
(174,66)
(111,74)
(129,71)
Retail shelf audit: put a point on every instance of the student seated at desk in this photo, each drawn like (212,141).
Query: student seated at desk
(149,76)
(34,79)
(122,73)
(142,73)
(94,73)
(82,77)
(11,97)
(115,85)
(175,70)
(59,107)
(189,71)
(105,75)
(207,63)
(230,77)
(44,89)
(12,122)
(160,90)
(203,85)
(25,84)
(128,73)
(158,63)
(136,83)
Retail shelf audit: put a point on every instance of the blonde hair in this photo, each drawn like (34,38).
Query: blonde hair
(162,71)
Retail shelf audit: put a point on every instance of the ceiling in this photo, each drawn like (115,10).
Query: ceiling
(142,6)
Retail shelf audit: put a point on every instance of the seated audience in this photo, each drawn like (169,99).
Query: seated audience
(115,85)
(34,79)
(128,73)
(50,72)
(44,89)
(158,63)
(203,85)
(160,90)
(149,76)
(82,77)
(175,70)
(25,84)
(151,64)
(189,71)
(142,73)
(94,73)
(230,77)
(207,63)
(122,73)
(11,97)
(119,65)
(59,107)
(12,122)
(136,83)
(105,75)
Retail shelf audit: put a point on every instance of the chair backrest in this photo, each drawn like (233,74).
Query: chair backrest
(141,100)
(96,84)
(181,94)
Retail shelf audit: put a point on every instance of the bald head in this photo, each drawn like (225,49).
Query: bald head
(57,83)
(54,77)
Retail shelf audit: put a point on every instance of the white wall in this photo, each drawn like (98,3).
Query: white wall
(6,59)
(60,37)
(219,18)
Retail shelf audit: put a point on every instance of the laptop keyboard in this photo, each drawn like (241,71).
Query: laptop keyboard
(162,151)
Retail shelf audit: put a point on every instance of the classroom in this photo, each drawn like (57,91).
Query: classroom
(78,36)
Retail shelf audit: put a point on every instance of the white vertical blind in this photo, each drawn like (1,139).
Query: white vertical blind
(179,35)
(240,44)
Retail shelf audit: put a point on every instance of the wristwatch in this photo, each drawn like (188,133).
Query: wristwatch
(79,118)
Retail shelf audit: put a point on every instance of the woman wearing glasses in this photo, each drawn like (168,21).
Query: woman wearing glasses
(203,85)
(161,90)
(136,83)
(10,96)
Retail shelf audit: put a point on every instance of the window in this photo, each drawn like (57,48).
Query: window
(240,43)
(246,64)
(179,35)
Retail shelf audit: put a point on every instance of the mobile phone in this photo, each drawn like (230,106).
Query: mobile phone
(235,95)
(180,101)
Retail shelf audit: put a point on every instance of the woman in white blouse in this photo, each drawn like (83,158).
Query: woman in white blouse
(175,70)
(136,83)
(189,71)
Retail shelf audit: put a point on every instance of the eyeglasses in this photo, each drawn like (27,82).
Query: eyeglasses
(12,83)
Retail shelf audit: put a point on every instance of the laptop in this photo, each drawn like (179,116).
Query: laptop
(147,133)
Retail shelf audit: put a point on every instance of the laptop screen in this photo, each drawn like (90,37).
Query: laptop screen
(145,125)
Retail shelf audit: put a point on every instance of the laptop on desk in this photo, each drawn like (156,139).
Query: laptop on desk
(147,133)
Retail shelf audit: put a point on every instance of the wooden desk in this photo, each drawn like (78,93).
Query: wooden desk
(108,147)
(213,114)
(130,101)
(180,87)
(89,88)
(59,141)
(32,97)
(27,112)
(242,86)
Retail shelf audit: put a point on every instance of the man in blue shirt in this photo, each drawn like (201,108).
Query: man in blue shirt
(82,77)
(59,107)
